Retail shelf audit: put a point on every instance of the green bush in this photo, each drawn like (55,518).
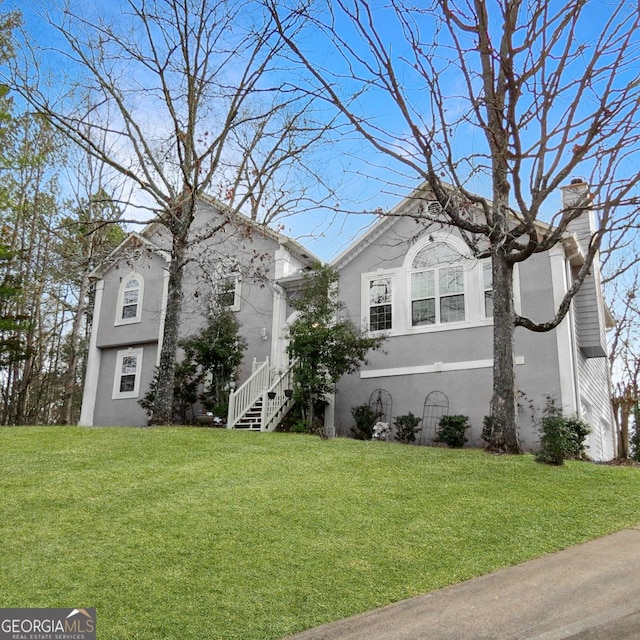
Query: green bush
(451,431)
(300,426)
(407,427)
(488,428)
(365,417)
(561,438)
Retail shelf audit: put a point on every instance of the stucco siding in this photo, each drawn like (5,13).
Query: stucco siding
(455,359)
(125,412)
(536,293)
(466,390)
(151,268)
(249,256)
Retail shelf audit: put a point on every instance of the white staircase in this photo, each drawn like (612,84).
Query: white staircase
(263,400)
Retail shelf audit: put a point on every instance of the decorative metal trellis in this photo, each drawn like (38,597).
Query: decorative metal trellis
(436,405)
(381,402)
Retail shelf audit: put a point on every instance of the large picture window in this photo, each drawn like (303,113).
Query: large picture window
(437,286)
(126,383)
(129,308)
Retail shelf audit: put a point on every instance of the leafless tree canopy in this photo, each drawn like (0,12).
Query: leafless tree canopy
(185,97)
(501,97)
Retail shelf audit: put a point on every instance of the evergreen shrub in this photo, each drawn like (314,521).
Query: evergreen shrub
(451,431)
(561,438)
(407,427)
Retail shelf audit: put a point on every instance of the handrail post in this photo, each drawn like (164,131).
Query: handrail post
(263,411)
(231,413)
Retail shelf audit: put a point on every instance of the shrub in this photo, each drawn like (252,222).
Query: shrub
(562,438)
(300,426)
(210,361)
(451,431)
(381,431)
(365,417)
(324,344)
(407,427)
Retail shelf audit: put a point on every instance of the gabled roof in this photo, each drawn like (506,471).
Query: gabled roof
(385,221)
(134,240)
(293,246)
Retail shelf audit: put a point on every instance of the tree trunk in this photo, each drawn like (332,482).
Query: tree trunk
(623,439)
(74,346)
(163,402)
(503,404)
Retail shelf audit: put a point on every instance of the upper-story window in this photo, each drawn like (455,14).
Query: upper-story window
(227,292)
(129,308)
(380,303)
(487,285)
(437,286)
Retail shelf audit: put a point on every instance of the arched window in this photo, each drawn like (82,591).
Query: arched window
(437,286)
(129,309)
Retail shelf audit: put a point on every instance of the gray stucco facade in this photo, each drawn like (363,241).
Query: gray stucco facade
(417,284)
(454,355)
(125,342)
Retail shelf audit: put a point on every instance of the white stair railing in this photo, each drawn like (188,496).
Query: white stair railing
(245,396)
(277,400)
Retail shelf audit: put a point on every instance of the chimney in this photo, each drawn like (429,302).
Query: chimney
(588,304)
(577,195)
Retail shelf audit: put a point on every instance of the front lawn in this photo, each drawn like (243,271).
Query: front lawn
(209,534)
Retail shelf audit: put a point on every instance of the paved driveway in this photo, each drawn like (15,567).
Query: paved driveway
(587,592)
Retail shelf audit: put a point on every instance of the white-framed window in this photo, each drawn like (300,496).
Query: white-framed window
(437,286)
(380,303)
(487,289)
(227,291)
(129,307)
(126,382)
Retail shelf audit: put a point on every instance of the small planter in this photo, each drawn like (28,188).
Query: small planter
(210,420)
(288,392)
(271,395)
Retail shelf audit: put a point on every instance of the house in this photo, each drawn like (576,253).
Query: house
(420,286)
(415,283)
(234,259)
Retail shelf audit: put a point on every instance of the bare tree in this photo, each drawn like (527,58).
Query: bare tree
(85,237)
(194,92)
(28,212)
(510,95)
(624,353)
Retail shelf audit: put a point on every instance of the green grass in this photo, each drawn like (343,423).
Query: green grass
(202,533)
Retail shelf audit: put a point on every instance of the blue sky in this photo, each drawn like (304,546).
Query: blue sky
(368,180)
